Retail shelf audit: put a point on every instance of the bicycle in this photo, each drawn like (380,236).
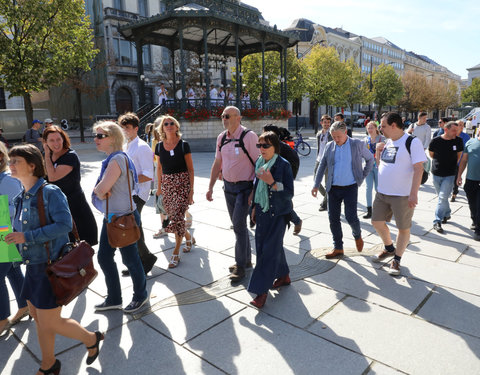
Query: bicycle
(300,146)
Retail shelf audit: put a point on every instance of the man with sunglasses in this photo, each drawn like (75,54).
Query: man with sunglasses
(142,156)
(238,173)
(342,159)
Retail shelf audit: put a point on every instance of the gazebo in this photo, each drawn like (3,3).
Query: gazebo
(222,27)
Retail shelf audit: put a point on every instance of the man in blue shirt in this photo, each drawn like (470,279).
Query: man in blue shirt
(465,138)
(343,160)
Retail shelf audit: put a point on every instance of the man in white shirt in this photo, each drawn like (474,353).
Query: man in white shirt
(191,95)
(162,94)
(400,170)
(213,95)
(142,155)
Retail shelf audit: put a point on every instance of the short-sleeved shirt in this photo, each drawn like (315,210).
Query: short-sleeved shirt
(395,172)
(173,161)
(120,200)
(70,183)
(444,161)
(472,148)
(142,157)
(236,166)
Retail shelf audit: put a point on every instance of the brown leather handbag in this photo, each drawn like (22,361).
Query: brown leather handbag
(123,230)
(73,271)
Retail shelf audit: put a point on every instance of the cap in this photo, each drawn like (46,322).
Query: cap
(36,122)
(48,120)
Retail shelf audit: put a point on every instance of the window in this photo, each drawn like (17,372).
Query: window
(118,4)
(162,6)
(143,8)
(126,53)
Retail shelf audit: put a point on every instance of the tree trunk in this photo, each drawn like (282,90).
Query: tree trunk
(80,114)
(27,101)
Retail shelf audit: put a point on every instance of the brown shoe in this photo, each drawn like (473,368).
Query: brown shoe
(335,253)
(359,244)
(233,266)
(237,274)
(297,228)
(282,281)
(382,256)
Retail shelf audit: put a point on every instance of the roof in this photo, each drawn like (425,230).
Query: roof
(474,67)
(302,28)
(382,40)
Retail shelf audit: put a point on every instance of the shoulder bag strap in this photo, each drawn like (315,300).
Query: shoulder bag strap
(129,187)
(42,217)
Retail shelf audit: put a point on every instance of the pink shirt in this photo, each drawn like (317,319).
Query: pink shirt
(235,163)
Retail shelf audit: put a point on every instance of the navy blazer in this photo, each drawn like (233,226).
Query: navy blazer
(280,201)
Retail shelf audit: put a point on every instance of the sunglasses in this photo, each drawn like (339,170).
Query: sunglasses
(100,136)
(168,123)
(227,116)
(263,145)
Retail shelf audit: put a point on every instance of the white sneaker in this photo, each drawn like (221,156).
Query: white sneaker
(160,233)
(394,269)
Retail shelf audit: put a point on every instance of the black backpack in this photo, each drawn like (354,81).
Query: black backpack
(241,144)
(408,143)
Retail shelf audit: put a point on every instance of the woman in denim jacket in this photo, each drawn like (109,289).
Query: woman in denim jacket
(11,187)
(273,193)
(26,164)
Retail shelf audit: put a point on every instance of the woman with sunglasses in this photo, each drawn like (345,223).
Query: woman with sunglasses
(116,173)
(63,170)
(175,182)
(272,205)
(26,165)
(12,188)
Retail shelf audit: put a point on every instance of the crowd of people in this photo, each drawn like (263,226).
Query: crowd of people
(258,175)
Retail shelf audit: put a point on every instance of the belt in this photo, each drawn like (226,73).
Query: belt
(238,182)
(343,187)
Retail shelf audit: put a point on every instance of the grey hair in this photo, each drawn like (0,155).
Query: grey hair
(338,126)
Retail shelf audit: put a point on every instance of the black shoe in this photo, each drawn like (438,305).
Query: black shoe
(237,274)
(148,265)
(453,197)
(104,306)
(233,266)
(322,208)
(369,213)
(55,369)
(100,336)
(438,227)
(125,273)
(445,219)
(473,226)
(135,306)
(476,236)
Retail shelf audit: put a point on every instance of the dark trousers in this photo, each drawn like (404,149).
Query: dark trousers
(143,251)
(348,195)
(472,190)
(236,196)
(455,186)
(321,189)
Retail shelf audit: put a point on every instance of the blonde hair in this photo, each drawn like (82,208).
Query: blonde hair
(163,136)
(114,131)
(374,124)
(5,158)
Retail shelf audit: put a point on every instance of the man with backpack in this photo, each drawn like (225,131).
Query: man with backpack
(235,156)
(400,170)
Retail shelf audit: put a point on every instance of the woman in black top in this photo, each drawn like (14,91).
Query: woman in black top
(175,182)
(63,170)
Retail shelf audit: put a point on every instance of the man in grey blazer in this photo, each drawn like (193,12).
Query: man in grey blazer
(342,159)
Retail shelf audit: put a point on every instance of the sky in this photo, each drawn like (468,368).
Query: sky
(446,31)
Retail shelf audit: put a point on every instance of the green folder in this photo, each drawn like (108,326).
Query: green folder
(8,253)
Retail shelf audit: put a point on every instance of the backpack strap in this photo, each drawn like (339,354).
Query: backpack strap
(240,144)
(408,143)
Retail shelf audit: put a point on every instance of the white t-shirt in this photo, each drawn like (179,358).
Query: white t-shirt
(142,156)
(395,173)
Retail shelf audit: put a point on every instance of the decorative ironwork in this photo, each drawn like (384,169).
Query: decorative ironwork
(122,15)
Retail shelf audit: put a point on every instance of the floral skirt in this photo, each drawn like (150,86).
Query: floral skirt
(175,189)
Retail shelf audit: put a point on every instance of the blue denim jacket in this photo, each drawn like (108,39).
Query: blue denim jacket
(280,201)
(59,223)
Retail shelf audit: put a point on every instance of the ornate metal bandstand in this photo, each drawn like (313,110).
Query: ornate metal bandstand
(224,28)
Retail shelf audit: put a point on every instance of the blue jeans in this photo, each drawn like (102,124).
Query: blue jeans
(348,195)
(130,259)
(443,187)
(15,276)
(370,180)
(236,195)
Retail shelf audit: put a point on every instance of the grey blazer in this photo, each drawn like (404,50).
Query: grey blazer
(359,152)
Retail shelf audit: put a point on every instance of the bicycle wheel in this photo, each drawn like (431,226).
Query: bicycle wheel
(303,148)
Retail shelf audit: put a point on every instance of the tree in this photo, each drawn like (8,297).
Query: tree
(41,43)
(416,93)
(472,93)
(443,95)
(353,87)
(323,79)
(387,86)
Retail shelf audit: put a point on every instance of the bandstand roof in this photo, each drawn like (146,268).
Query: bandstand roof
(223,20)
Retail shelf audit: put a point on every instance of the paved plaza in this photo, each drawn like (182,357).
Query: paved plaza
(345,316)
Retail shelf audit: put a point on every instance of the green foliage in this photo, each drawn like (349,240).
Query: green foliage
(41,43)
(387,86)
(472,93)
(354,86)
(252,70)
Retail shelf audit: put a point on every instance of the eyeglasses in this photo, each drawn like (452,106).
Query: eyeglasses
(227,116)
(14,161)
(263,145)
(100,136)
(168,123)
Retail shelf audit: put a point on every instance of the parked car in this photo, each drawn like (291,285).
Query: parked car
(432,122)
(360,122)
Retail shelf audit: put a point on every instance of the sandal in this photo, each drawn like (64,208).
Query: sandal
(174,260)
(100,336)
(54,370)
(160,233)
(188,220)
(188,245)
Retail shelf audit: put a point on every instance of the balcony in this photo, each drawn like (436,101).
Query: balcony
(122,15)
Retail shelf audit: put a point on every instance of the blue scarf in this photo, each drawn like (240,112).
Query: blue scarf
(96,201)
(261,193)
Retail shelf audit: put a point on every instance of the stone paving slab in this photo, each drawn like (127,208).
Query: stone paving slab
(471,256)
(253,342)
(436,247)
(14,359)
(403,342)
